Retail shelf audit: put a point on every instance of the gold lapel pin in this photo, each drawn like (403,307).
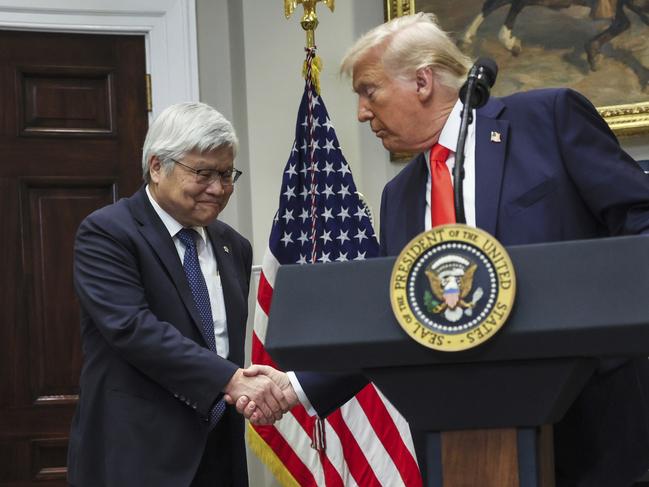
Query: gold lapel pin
(495,136)
(227,249)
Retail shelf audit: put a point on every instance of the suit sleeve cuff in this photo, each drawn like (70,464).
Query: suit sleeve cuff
(301,394)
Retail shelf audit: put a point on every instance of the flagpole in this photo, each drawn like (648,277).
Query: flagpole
(311,72)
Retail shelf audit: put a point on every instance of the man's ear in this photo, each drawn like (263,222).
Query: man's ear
(424,78)
(155,168)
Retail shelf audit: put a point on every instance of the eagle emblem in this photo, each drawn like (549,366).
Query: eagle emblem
(451,281)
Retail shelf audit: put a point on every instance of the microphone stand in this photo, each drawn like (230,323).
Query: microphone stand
(458,169)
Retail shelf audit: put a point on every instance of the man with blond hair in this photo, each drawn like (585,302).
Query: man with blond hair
(541,166)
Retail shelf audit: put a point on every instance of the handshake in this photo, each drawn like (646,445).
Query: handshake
(261,393)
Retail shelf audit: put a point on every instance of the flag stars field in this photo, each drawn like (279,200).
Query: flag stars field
(360,235)
(329,168)
(326,214)
(291,167)
(326,237)
(315,145)
(329,190)
(361,213)
(342,236)
(329,145)
(288,215)
(343,214)
(325,257)
(290,192)
(286,239)
(344,169)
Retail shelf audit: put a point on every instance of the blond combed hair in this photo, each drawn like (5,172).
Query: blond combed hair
(410,43)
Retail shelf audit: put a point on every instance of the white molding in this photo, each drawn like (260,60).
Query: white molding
(168,26)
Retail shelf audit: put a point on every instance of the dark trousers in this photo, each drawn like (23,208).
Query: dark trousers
(215,469)
(603,440)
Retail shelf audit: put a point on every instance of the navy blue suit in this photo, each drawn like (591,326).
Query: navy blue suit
(558,173)
(148,379)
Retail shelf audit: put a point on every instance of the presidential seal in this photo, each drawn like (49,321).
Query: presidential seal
(453,287)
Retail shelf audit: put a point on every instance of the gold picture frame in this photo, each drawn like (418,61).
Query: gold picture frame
(620,90)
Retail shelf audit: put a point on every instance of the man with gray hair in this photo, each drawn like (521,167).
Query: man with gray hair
(540,166)
(163,289)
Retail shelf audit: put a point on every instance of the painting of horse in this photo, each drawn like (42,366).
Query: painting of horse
(598,47)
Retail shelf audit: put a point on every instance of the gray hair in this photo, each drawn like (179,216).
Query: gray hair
(410,43)
(184,128)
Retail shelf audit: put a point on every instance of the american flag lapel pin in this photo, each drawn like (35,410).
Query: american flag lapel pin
(495,136)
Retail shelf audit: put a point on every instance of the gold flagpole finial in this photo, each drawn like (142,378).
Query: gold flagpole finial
(310,18)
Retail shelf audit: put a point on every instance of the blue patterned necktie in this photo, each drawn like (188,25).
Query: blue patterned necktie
(202,300)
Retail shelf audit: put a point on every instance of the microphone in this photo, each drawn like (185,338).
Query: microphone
(483,74)
(473,94)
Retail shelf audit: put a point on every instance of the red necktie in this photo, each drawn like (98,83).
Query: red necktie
(442,207)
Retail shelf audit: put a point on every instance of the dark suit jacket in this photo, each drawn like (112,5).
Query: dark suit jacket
(148,379)
(557,174)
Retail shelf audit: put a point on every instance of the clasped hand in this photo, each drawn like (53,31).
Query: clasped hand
(261,393)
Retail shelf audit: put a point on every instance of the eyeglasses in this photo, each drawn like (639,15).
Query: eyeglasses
(208,176)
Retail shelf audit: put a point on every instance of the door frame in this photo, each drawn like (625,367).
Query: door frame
(168,26)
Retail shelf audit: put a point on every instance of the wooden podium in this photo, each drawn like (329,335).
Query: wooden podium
(486,413)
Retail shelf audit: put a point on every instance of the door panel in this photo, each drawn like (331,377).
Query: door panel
(72,124)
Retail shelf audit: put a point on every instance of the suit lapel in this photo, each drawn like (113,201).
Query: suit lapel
(156,234)
(230,286)
(490,152)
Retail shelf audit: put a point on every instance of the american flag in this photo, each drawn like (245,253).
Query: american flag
(321,219)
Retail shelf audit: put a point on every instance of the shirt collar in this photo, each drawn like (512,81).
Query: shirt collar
(451,129)
(170,223)
(450,132)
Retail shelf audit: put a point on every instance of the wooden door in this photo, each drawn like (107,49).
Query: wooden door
(73,118)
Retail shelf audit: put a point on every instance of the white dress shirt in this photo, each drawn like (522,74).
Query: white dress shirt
(448,138)
(207,261)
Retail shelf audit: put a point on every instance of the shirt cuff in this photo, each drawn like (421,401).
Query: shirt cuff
(301,394)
